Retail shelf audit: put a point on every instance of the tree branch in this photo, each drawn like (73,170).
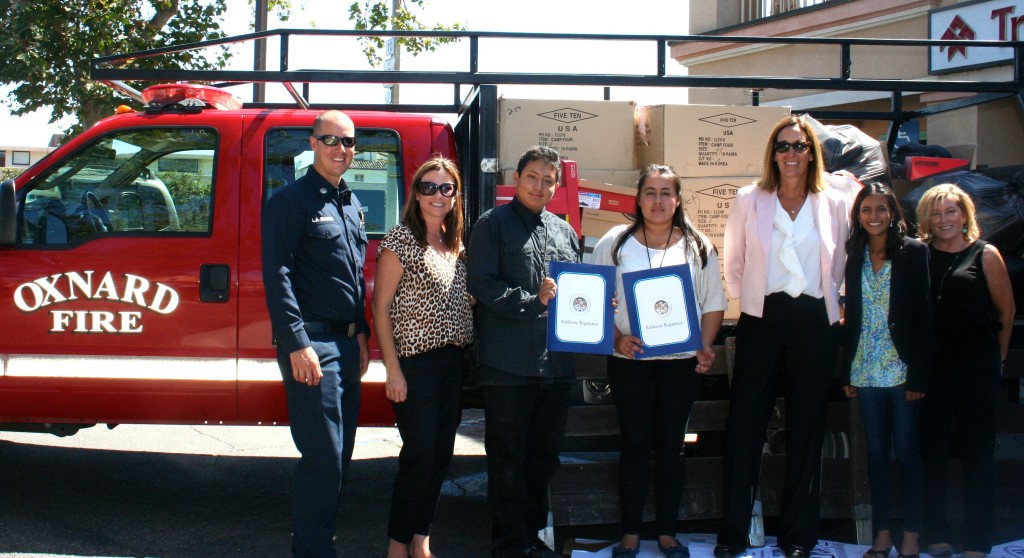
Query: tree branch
(165,10)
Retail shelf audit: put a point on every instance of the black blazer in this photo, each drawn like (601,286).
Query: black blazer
(910,311)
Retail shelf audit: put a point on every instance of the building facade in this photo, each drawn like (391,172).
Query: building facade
(993,131)
(21,157)
(16,158)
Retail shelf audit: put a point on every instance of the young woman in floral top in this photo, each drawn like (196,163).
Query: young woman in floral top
(887,357)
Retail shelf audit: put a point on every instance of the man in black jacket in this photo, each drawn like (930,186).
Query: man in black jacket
(526,387)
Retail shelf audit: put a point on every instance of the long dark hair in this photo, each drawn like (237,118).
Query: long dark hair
(679,218)
(897,227)
(411,216)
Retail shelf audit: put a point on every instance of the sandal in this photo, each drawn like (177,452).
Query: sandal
(876,553)
(619,552)
(946,552)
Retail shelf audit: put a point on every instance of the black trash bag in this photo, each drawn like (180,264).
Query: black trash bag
(999,205)
(846,147)
(900,154)
(1013,174)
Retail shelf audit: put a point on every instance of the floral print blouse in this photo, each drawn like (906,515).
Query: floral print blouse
(876,363)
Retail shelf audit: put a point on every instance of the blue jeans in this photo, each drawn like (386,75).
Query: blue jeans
(886,410)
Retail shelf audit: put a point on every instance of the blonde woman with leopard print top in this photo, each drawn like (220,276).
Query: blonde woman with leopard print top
(423,318)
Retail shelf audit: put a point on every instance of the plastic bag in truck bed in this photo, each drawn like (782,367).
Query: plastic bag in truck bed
(846,147)
(999,204)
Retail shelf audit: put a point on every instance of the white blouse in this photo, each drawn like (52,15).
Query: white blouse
(634,256)
(794,259)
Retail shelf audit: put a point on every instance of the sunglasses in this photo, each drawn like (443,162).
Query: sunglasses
(429,189)
(798,146)
(331,141)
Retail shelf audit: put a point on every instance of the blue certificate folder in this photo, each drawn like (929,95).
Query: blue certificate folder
(580,315)
(662,310)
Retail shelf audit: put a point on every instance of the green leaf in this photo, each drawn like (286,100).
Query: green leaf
(47,55)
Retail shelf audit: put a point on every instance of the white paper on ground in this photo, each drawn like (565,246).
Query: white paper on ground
(703,545)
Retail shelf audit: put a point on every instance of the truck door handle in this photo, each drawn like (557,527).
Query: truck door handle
(214,282)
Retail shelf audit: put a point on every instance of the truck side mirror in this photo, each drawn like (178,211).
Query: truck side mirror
(8,214)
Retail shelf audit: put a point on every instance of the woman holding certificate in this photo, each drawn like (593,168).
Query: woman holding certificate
(974,308)
(423,319)
(785,257)
(653,396)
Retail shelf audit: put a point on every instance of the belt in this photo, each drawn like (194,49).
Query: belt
(347,329)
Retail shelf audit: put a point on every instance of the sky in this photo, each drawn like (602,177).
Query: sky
(640,17)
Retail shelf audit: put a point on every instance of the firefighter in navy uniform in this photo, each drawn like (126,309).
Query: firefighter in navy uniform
(314,247)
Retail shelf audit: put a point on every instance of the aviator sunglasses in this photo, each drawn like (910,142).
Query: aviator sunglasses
(447,189)
(798,146)
(331,141)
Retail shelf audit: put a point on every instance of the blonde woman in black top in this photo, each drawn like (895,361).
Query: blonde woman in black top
(974,311)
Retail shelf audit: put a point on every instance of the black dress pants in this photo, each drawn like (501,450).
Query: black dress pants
(792,347)
(525,425)
(427,421)
(963,391)
(653,399)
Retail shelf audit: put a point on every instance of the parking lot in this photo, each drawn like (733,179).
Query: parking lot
(204,491)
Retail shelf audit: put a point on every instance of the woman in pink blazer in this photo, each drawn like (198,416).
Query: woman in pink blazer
(785,259)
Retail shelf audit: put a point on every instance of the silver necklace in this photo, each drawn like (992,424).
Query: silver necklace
(792,211)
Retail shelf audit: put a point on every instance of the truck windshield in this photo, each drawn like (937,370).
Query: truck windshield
(140,180)
(373,176)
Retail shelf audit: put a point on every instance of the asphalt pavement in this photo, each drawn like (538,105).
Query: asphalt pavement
(211,491)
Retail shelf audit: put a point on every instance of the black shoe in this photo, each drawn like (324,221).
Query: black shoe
(619,552)
(796,551)
(726,551)
(674,551)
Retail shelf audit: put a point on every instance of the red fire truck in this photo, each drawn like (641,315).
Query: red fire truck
(131,288)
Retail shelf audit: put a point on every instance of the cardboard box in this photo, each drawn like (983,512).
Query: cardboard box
(608,197)
(964,151)
(595,224)
(624,177)
(707,201)
(588,248)
(595,134)
(705,140)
